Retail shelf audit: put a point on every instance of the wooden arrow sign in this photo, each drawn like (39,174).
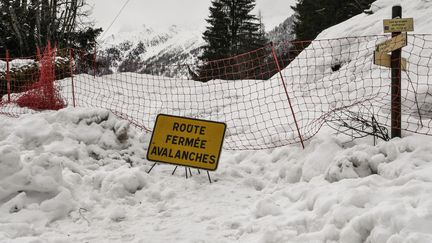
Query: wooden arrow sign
(392,44)
(384,59)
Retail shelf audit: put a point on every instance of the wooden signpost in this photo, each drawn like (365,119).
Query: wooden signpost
(384,59)
(398,27)
(393,44)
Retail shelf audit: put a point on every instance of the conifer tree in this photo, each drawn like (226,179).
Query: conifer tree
(313,16)
(232,29)
(244,28)
(216,35)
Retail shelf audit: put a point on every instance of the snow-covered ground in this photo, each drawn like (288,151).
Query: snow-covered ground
(80,175)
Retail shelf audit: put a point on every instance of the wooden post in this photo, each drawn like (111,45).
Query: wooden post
(8,76)
(287,95)
(396,111)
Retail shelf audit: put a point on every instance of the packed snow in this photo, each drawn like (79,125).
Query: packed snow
(80,175)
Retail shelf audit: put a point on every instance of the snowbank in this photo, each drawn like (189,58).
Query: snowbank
(80,175)
(43,156)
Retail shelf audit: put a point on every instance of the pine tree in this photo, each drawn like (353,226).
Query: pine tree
(232,30)
(244,28)
(313,16)
(216,35)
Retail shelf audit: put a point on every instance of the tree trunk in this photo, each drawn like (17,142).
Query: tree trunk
(38,22)
(15,24)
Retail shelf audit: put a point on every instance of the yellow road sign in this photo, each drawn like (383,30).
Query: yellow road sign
(392,44)
(398,25)
(186,142)
(384,59)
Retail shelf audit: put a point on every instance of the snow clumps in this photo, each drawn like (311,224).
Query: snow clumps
(48,158)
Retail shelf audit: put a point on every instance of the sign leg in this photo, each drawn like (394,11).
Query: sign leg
(174,170)
(208,174)
(148,172)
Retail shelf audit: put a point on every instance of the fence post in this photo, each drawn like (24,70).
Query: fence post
(287,95)
(396,73)
(8,76)
(72,77)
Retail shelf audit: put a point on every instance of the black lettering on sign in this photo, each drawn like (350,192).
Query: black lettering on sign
(168,138)
(203,143)
(160,151)
(202,130)
(192,156)
(196,143)
(205,157)
(188,142)
(198,157)
(189,128)
(175,126)
(212,159)
(154,150)
(185,155)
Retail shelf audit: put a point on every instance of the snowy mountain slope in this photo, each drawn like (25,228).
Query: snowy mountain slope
(283,31)
(372,24)
(133,51)
(146,50)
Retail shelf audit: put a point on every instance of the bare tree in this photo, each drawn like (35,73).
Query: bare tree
(26,24)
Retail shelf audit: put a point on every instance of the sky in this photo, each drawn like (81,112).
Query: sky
(164,13)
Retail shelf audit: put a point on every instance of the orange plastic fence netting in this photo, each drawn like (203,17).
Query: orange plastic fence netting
(333,82)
